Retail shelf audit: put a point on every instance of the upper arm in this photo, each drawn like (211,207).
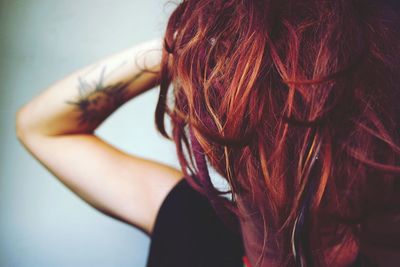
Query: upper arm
(123,186)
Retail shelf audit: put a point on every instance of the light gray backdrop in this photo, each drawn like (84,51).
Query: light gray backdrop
(42,223)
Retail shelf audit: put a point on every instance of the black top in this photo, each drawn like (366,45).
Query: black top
(188,232)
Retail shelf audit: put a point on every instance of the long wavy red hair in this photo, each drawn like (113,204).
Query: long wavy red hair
(295,104)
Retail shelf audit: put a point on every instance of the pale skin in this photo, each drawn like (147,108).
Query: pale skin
(58,128)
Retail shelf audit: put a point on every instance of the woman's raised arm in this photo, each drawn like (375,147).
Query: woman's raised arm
(79,102)
(57,128)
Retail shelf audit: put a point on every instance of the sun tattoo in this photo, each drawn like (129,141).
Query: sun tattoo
(96,101)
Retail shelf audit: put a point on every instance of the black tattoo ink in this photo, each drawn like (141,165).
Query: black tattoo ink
(97,101)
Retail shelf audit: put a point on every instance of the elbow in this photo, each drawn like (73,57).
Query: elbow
(25,131)
(20,124)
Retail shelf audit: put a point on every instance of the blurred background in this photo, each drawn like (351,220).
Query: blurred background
(43,223)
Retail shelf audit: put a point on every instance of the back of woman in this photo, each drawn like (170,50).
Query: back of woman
(295,104)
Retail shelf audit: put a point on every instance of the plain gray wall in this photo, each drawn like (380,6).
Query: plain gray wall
(43,223)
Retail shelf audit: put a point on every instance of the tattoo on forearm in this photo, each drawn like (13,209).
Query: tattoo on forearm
(96,101)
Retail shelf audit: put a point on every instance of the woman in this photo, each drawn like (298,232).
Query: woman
(293,102)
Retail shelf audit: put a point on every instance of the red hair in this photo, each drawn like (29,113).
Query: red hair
(295,104)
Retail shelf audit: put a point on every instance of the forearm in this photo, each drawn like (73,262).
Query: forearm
(80,102)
